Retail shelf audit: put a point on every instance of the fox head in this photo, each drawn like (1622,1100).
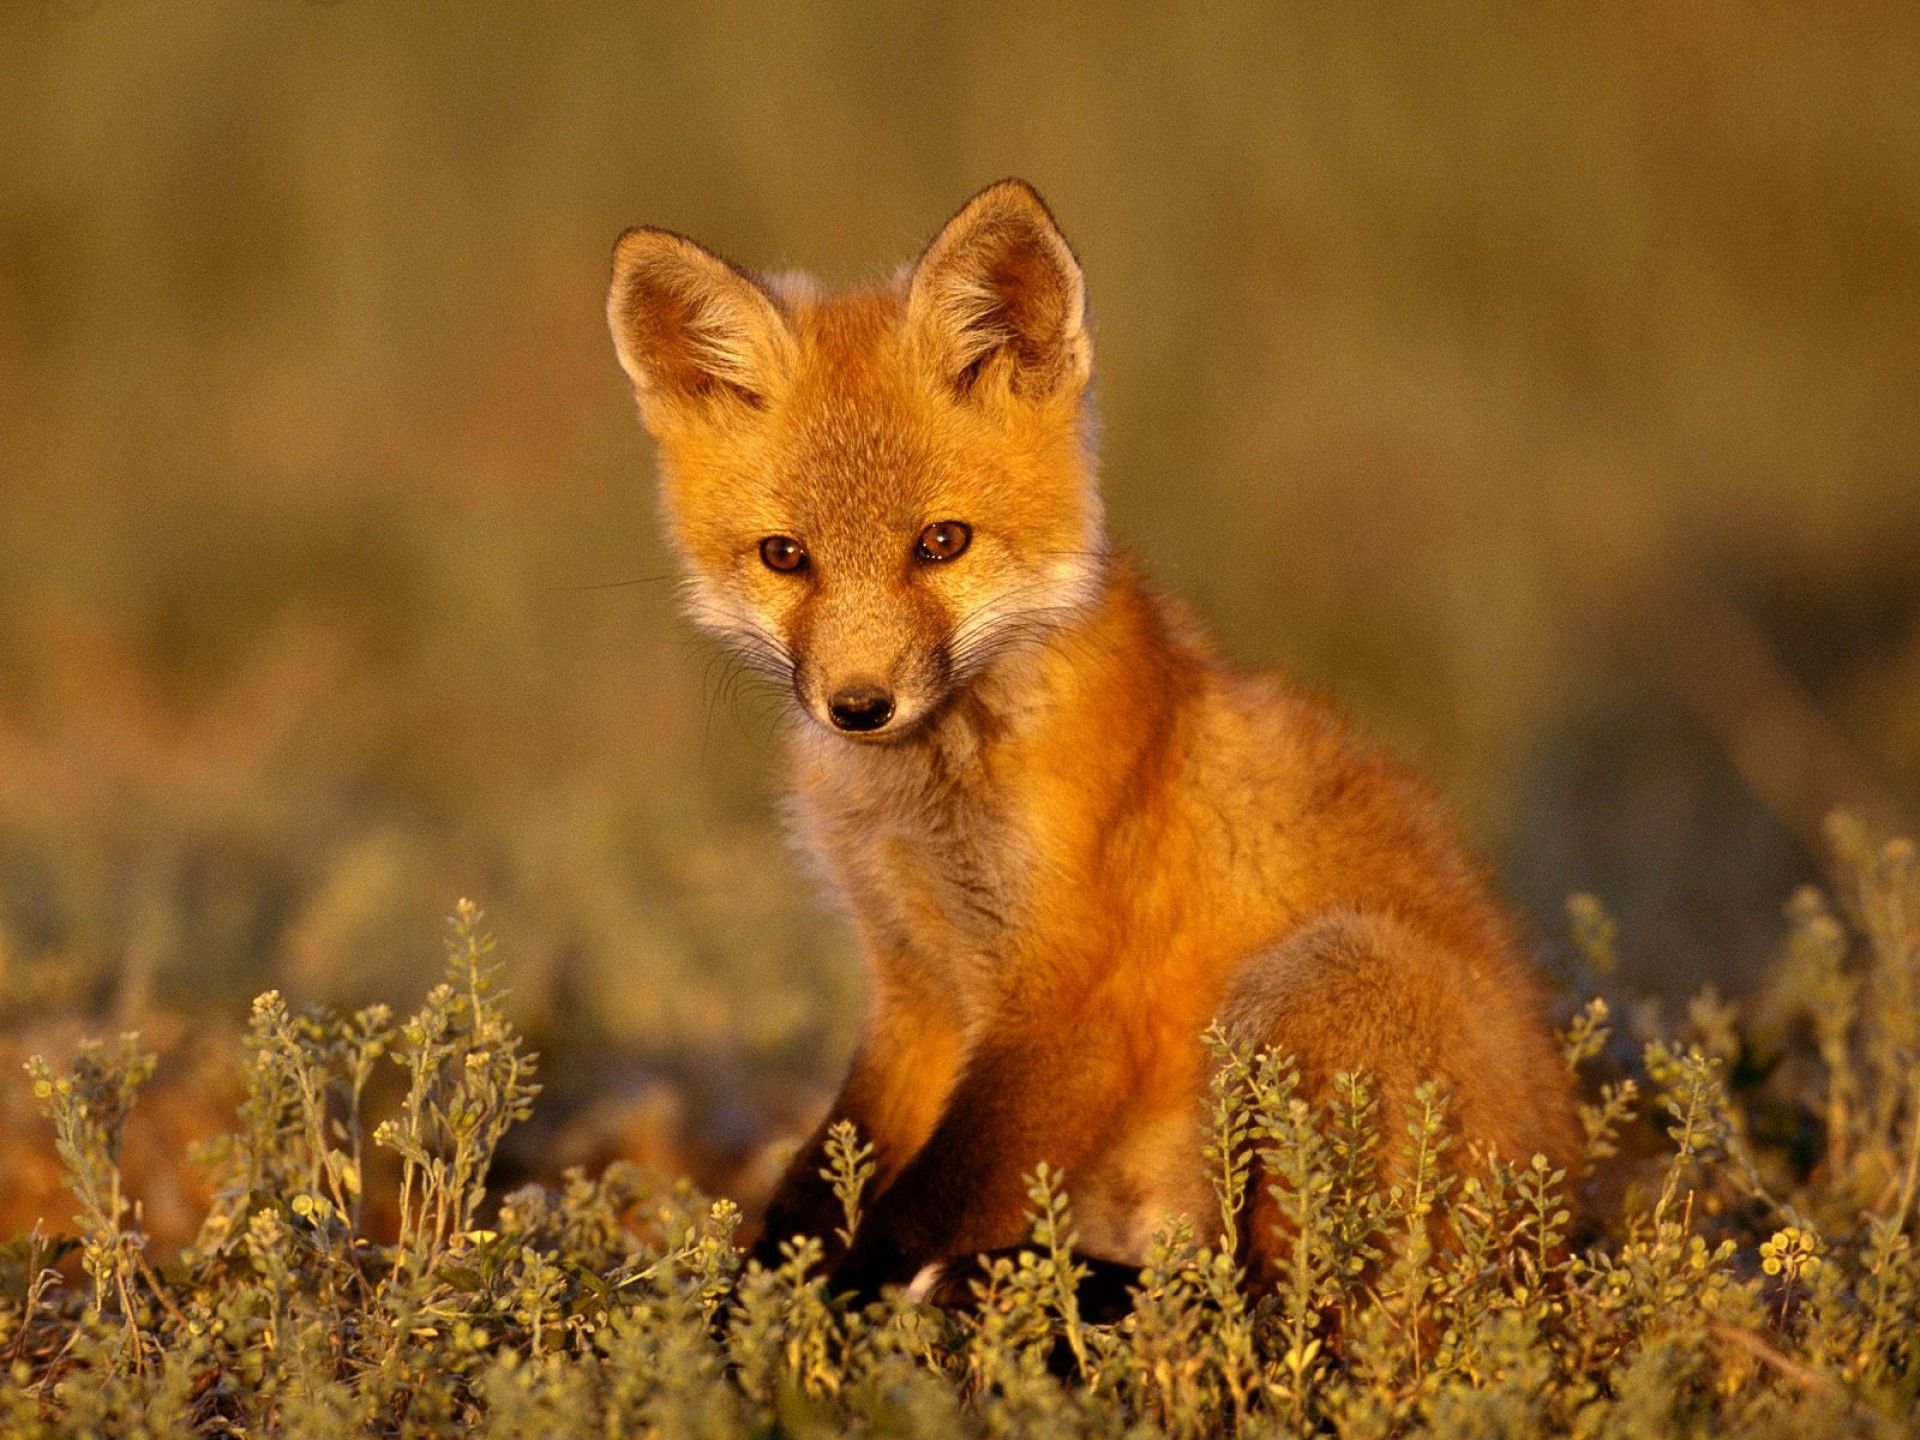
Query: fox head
(874,496)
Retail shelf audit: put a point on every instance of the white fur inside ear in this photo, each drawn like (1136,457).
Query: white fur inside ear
(922,1285)
(967,310)
(726,335)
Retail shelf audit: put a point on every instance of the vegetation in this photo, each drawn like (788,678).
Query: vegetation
(1754,1272)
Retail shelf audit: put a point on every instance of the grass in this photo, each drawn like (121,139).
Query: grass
(1746,1267)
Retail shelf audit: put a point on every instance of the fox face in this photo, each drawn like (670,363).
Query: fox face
(875,497)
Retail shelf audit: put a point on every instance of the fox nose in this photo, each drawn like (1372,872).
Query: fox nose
(860,707)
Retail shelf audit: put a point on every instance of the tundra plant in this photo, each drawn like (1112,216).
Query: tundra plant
(1746,1264)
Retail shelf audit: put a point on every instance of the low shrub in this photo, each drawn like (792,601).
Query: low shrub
(1746,1265)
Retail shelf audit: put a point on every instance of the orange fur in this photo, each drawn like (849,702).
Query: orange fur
(1080,837)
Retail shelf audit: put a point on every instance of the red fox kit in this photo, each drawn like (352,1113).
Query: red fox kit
(1068,836)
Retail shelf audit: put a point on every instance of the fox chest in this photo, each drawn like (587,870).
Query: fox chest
(947,896)
(951,901)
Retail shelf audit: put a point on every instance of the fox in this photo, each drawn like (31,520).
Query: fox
(1069,836)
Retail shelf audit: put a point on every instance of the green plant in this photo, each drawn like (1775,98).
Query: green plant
(1742,1288)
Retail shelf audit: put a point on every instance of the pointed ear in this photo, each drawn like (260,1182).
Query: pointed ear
(689,328)
(999,292)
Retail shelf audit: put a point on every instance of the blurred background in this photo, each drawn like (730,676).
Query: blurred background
(1542,380)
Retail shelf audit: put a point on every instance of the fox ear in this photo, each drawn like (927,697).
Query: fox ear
(999,291)
(689,328)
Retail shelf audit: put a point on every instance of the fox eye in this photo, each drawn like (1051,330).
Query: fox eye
(783,553)
(944,540)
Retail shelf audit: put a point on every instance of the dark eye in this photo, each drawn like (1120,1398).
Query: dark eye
(944,540)
(783,553)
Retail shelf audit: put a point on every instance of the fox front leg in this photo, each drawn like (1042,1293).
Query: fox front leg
(965,1191)
(902,1073)
(804,1203)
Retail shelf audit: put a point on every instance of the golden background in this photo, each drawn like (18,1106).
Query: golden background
(1542,380)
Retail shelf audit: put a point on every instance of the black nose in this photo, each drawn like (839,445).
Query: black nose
(860,707)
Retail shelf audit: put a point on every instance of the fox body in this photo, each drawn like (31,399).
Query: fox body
(1069,836)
